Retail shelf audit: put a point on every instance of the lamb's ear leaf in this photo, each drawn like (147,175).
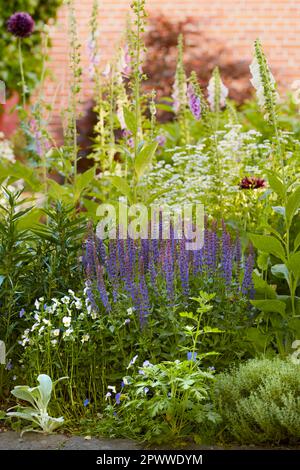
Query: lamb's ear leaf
(45,388)
(22,392)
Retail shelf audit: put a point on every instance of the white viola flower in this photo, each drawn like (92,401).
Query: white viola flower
(94,315)
(41,329)
(34,326)
(56,332)
(78,304)
(68,332)
(130,311)
(132,362)
(37,304)
(66,321)
(85,338)
(107,396)
(71,292)
(37,317)
(112,388)
(47,322)
(65,300)
(54,342)
(211,89)
(81,316)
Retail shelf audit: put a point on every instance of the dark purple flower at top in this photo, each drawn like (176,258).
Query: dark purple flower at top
(20,24)
(252,182)
(194,102)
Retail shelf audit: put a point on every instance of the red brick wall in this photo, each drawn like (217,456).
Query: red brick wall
(236,22)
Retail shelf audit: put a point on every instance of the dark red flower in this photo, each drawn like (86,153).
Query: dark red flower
(251,182)
(20,24)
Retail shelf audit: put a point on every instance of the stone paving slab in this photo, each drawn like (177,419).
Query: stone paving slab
(11,440)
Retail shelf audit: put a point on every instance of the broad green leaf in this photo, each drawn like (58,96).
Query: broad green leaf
(280,271)
(130,120)
(294,264)
(270,305)
(45,388)
(22,392)
(122,185)
(293,204)
(144,158)
(276,184)
(259,339)
(263,261)
(268,244)
(83,180)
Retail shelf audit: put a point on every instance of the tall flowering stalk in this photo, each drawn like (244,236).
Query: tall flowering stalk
(217,94)
(137,48)
(75,89)
(267,96)
(180,100)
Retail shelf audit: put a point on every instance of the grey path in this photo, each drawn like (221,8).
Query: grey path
(10,440)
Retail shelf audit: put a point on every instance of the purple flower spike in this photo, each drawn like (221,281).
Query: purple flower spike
(21,25)
(194,102)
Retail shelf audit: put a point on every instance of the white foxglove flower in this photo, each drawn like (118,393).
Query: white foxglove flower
(211,89)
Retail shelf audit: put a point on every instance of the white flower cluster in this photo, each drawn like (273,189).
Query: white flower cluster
(191,176)
(57,321)
(6,151)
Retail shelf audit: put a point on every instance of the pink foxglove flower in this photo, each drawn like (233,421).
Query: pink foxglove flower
(194,102)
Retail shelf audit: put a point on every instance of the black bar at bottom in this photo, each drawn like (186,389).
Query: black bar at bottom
(138,459)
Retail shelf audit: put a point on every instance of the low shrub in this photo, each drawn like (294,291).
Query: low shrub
(259,401)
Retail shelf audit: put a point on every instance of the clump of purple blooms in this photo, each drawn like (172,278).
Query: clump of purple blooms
(163,271)
(20,24)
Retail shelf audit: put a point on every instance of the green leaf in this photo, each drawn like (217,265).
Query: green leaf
(297,242)
(83,180)
(144,158)
(280,271)
(262,261)
(130,120)
(294,264)
(268,244)
(276,184)
(268,305)
(122,185)
(293,204)
(45,388)
(208,329)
